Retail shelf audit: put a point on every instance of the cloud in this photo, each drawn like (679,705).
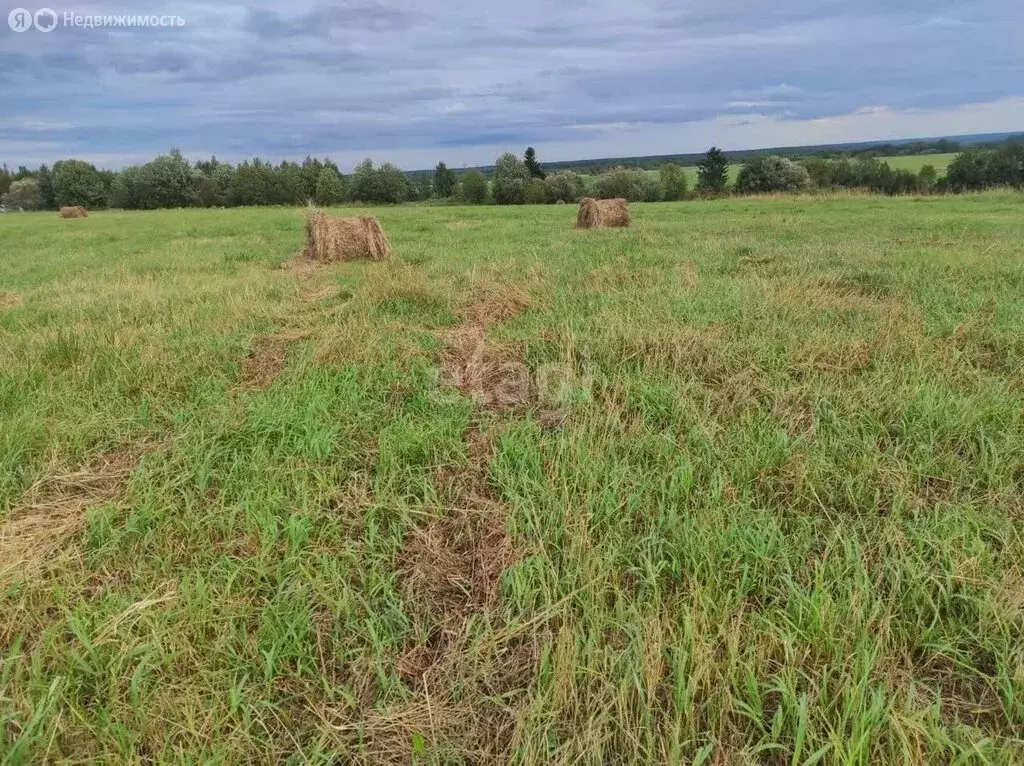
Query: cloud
(460,81)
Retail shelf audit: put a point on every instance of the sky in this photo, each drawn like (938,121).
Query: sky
(419,82)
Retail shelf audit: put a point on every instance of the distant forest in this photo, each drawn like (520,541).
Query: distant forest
(905,148)
(172,181)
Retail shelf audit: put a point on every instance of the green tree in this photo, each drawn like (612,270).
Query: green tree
(76,182)
(47,196)
(22,194)
(530,160)
(510,178)
(392,184)
(365,186)
(423,187)
(473,187)
(289,185)
(124,194)
(329,188)
(928,177)
(252,184)
(5,179)
(444,181)
(167,181)
(673,182)
(713,172)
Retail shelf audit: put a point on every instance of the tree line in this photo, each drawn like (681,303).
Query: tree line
(170,181)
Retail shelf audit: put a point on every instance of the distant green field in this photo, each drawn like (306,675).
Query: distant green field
(916,162)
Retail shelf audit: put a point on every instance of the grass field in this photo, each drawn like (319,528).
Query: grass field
(914,163)
(741,484)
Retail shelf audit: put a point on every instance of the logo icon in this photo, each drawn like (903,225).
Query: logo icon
(45,20)
(19,20)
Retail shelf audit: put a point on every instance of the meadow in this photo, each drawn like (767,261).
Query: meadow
(740,484)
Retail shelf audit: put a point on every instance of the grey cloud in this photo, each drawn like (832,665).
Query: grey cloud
(283,79)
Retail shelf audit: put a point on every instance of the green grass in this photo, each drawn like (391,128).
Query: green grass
(914,163)
(772,514)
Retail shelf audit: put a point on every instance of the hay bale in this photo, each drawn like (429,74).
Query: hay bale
(345,239)
(601,213)
(75,211)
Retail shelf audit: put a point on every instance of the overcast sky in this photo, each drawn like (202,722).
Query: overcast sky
(418,82)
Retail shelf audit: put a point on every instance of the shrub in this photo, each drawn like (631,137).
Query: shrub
(771,173)
(983,168)
(22,194)
(536,192)
(673,182)
(473,187)
(632,184)
(510,179)
(927,177)
(564,185)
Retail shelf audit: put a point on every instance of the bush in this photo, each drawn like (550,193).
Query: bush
(771,173)
(510,179)
(673,182)
(984,168)
(22,194)
(536,192)
(564,185)
(473,187)
(629,183)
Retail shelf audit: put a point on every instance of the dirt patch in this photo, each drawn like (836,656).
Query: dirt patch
(453,566)
(36,534)
(266,359)
(496,376)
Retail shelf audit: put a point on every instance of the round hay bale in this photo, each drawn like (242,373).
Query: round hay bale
(601,213)
(331,239)
(74,211)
